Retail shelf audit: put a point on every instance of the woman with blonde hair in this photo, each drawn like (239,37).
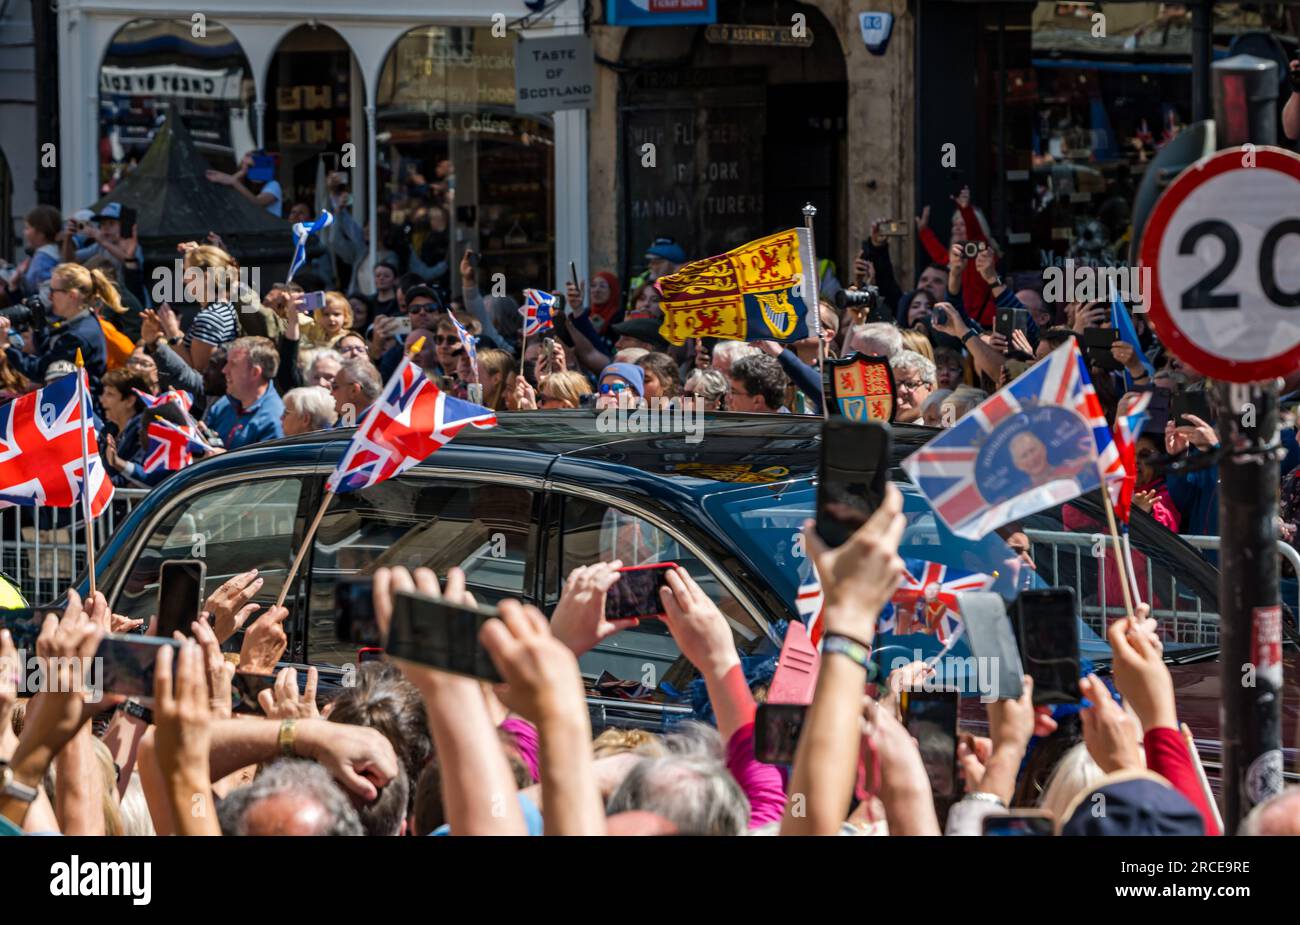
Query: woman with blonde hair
(212,280)
(915,340)
(75,295)
(495,368)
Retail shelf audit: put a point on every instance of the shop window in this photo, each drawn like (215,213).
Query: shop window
(156,66)
(457,165)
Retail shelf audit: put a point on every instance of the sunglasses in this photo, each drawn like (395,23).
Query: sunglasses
(607,388)
(443,341)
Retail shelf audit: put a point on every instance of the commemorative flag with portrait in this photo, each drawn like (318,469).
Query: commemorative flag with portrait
(763,290)
(926,600)
(1039,442)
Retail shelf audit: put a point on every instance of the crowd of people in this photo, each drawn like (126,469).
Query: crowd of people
(409,750)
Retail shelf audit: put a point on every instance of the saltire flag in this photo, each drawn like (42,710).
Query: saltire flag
(468,341)
(1039,442)
(301,232)
(411,420)
(537,309)
(171,446)
(926,600)
(1127,427)
(1123,325)
(763,290)
(179,397)
(40,448)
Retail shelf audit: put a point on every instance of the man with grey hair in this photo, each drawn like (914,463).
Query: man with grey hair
(1278,815)
(914,379)
(289,797)
(727,352)
(324,366)
(356,386)
(308,408)
(697,794)
(876,339)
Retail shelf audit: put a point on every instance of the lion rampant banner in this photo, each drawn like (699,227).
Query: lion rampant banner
(762,290)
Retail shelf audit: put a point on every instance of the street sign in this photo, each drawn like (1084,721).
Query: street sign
(1223,250)
(554,73)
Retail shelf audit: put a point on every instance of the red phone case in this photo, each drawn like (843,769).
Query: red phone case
(642,568)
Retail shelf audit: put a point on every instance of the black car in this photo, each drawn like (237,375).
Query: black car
(519,506)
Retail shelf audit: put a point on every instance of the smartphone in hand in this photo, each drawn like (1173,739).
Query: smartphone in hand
(931,718)
(1048,630)
(440,634)
(776,731)
(180,595)
(636,593)
(853,472)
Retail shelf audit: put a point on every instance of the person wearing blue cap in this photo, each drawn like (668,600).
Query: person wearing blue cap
(1132,802)
(104,231)
(664,256)
(616,379)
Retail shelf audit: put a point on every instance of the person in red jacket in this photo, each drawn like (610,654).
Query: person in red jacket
(966,226)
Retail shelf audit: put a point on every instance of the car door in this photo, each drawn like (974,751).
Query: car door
(232,524)
(423,519)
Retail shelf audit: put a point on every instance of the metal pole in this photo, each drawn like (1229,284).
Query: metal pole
(1250,615)
(815,307)
(1202,57)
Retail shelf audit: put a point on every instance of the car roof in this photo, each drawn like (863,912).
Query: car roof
(725,447)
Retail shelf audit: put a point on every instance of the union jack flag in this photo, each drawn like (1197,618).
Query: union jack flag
(810,602)
(171,446)
(468,341)
(926,600)
(411,420)
(997,463)
(537,311)
(40,448)
(1127,428)
(179,397)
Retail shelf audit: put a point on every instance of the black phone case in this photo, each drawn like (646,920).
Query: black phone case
(1045,689)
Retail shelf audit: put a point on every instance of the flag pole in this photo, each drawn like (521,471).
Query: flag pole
(326,499)
(1119,552)
(815,309)
(85,472)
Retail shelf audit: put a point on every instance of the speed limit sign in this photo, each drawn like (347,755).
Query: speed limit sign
(1223,250)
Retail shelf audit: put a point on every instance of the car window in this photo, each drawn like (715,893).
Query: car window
(417,522)
(593,531)
(232,529)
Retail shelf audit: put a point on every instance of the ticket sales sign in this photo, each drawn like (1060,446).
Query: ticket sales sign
(1223,249)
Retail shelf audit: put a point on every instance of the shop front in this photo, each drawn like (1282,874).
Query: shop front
(418,113)
(1052,111)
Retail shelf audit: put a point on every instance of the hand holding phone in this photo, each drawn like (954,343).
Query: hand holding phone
(636,593)
(128,664)
(932,721)
(1048,630)
(854,470)
(440,634)
(180,595)
(776,731)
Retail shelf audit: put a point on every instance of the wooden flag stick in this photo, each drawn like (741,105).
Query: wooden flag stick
(1119,552)
(310,536)
(85,473)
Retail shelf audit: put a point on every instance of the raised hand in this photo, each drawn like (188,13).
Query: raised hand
(264,642)
(579,618)
(230,605)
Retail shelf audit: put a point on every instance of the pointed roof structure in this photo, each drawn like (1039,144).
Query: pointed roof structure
(174,201)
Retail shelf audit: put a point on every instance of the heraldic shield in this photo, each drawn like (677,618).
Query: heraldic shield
(861,388)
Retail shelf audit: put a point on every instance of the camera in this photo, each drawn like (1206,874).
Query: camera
(939,316)
(973,248)
(866,298)
(29,313)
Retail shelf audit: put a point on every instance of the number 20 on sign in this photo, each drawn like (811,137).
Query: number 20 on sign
(1223,248)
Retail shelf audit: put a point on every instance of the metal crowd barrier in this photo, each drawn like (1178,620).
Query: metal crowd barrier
(1180,610)
(43,549)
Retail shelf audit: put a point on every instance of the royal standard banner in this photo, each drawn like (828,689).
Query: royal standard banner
(758,291)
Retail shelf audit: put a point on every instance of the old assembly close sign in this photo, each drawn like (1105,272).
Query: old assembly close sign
(554,73)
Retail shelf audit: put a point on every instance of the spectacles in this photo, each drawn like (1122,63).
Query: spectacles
(425,307)
(615,387)
(914,385)
(442,341)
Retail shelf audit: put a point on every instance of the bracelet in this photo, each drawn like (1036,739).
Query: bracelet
(286,737)
(852,649)
(982,796)
(139,711)
(970,332)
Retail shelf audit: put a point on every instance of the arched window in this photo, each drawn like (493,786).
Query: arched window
(155,65)
(457,165)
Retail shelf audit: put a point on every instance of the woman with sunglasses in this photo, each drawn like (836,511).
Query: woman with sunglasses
(621,385)
(75,295)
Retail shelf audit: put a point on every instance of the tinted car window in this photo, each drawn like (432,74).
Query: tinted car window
(414,522)
(234,528)
(593,531)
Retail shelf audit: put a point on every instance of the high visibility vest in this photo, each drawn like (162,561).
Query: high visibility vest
(10,597)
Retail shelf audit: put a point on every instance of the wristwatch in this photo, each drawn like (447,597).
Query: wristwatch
(970,332)
(286,738)
(139,711)
(10,786)
(852,649)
